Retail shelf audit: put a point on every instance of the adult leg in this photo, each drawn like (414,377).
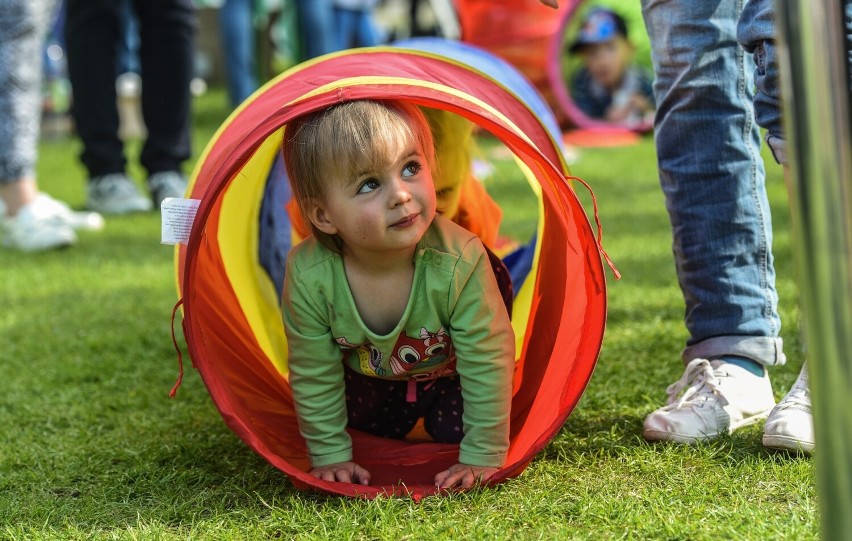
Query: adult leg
(316,27)
(22,29)
(708,147)
(167,31)
(91,34)
(127,51)
(756,33)
(368,32)
(29,221)
(237,33)
(345,28)
(790,424)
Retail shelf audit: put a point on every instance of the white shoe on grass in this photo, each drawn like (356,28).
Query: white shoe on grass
(790,425)
(712,398)
(115,193)
(79,220)
(37,227)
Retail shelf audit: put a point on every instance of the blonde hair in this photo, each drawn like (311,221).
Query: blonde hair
(345,138)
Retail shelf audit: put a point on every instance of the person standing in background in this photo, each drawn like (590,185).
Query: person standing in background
(167,29)
(31,220)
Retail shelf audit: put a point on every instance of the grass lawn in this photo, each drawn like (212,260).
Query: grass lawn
(92,448)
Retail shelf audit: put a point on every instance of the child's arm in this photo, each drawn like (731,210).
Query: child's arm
(316,379)
(485,349)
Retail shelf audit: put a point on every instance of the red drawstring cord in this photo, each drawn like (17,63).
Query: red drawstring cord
(600,228)
(173,392)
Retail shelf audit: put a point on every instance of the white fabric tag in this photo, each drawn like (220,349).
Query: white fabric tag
(178,215)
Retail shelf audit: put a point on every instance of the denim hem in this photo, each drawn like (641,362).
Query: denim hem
(767,350)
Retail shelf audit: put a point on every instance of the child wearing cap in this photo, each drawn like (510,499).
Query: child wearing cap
(610,86)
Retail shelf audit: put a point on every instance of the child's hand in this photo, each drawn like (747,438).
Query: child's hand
(463,476)
(342,472)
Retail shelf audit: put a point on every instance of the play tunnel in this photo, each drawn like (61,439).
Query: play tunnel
(230,270)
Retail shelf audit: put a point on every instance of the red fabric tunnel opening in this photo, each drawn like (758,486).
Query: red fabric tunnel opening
(567,310)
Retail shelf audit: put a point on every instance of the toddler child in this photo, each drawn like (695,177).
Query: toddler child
(392,313)
(610,86)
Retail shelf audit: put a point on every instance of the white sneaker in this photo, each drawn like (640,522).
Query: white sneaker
(37,227)
(78,220)
(790,424)
(166,184)
(712,398)
(116,194)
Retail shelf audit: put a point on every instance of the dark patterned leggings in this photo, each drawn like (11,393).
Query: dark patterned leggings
(378,406)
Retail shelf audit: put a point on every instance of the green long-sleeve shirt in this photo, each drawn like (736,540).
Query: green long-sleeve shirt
(455,322)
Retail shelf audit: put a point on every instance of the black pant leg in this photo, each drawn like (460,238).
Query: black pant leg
(91,34)
(167,34)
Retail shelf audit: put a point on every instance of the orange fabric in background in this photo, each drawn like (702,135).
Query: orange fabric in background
(518,31)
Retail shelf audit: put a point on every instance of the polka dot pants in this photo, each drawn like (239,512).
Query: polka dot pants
(378,406)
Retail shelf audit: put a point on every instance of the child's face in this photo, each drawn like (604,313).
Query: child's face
(607,61)
(384,210)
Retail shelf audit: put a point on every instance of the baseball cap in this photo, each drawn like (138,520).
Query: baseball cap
(599,26)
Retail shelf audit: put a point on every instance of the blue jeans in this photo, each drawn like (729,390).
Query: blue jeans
(316,27)
(127,45)
(237,33)
(355,28)
(756,33)
(712,175)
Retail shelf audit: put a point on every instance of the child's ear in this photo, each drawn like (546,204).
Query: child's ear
(319,218)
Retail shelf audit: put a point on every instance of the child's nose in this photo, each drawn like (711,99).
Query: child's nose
(400,193)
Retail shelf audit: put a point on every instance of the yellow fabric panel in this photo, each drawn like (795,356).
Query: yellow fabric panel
(238,240)
(523,297)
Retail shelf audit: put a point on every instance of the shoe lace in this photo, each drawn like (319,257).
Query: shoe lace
(697,382)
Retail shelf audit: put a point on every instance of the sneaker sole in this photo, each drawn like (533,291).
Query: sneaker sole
(661,435)
(788,443)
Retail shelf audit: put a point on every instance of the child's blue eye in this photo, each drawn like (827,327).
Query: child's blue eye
(411,169)
(368,186)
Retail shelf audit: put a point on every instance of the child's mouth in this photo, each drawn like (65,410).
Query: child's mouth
(406,221)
